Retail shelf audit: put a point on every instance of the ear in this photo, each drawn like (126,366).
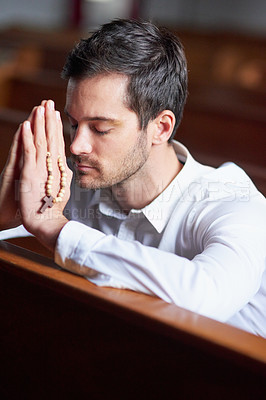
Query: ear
(163,126)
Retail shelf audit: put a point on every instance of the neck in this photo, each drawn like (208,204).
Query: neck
(151,180)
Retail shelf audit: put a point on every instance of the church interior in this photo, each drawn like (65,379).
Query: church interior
(65,339)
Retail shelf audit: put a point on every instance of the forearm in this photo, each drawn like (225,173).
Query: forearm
(207,284)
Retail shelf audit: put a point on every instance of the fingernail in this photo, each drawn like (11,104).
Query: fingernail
(51,104)
(57,113)
(41,109)
(27,124)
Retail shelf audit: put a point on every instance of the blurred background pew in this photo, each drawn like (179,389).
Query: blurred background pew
(224,118)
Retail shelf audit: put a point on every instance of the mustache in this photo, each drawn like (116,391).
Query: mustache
(84,161)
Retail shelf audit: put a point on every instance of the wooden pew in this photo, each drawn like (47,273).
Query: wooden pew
(52,46)
(15,61)
(63,337)
(224,118)
(28,90)
(227,58)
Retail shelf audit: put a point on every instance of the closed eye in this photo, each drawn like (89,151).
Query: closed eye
(95,130)
(74,127)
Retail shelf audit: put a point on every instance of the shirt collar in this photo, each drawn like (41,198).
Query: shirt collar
(109,206)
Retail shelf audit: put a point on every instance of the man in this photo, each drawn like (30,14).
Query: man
(142,214)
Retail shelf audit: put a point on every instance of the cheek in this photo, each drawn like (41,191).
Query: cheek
(111,146)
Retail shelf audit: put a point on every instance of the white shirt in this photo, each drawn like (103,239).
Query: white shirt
(200,244)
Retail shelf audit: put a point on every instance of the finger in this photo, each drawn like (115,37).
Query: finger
(51,129)
(29,151)
(31,116)
(39,134)
(15,149)
(51,126)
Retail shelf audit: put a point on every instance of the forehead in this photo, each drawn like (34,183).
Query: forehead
(98,87)
(103,95)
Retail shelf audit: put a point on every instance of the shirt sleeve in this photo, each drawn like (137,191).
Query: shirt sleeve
(19,231)
(217,282)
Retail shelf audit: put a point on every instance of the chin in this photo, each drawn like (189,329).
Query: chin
(87,183)
(83,182)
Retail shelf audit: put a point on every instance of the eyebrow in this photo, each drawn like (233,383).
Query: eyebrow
(96,118)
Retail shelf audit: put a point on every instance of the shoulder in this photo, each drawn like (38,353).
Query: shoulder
(226,197)
(229,183)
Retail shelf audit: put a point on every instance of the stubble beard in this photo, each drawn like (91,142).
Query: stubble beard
(131,165)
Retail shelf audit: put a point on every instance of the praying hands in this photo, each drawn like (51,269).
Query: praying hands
(34,186)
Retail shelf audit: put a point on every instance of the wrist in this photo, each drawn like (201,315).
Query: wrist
(48,231)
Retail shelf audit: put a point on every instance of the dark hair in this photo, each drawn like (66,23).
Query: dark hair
(152,58)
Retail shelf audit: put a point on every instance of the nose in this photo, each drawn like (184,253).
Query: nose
(81,143)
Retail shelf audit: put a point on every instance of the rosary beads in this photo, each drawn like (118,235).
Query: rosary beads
(49,200)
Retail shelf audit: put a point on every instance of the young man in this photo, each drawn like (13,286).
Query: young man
(142,214)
